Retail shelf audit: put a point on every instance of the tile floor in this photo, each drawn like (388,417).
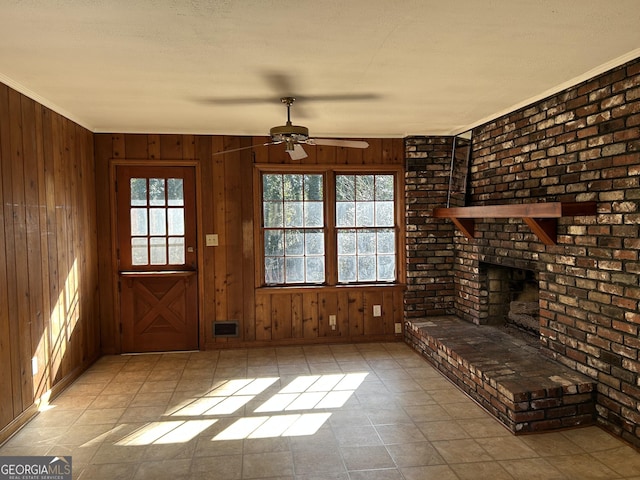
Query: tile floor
(366,411)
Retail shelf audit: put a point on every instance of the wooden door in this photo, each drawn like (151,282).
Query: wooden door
(156,224)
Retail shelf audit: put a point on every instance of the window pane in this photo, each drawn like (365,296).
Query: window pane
(386,268)
(139,251)
(158,248)
(274,270)
(384,214)
(313,214)
(156,191)
(292,187)
(294,269)
(364,188)
(346,269)
(345,214)
(384,187)
(386,241)
(366,242)
(345,188)
(176,221)
(315,269)
(364,214)
(175,192)
(273,216)
(314,242)
(138,191)
(157,221)
(176,250)
(313,188)
(346,242)
(139,221)
(294,242)
(272,187)
(274,243)
(293,214)
(367,268)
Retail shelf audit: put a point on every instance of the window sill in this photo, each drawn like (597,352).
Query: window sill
(329,288)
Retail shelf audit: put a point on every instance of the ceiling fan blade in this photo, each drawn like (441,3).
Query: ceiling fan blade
(242,148)
(235,100)
(298,152)
(331,142)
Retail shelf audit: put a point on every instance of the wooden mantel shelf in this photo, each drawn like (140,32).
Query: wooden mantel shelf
(541,217)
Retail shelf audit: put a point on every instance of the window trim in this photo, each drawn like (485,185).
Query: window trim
(331,254)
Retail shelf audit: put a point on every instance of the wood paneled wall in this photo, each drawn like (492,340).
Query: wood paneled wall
(228,284)
(48,255)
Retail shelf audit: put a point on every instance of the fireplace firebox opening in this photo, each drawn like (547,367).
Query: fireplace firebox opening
(512,298)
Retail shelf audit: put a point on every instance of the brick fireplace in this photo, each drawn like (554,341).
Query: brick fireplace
(579,145)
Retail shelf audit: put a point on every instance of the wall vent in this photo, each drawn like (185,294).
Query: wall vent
(225,329)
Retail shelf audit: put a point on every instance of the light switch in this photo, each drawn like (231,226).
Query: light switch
(377,311)
(211,239)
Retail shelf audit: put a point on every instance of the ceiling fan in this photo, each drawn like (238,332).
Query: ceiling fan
(294,136)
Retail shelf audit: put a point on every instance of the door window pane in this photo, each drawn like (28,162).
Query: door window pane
(175,192)
(176,221)
(158,250)
(176,251)
(139,251)
(157,221)
(138,191)
(156,192)
(139,221)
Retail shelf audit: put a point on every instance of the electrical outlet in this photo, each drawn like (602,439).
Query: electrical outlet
(211,240)
(377,311)
(398,326)
(332,320)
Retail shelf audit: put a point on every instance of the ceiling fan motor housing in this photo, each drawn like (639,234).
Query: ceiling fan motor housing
(289,134)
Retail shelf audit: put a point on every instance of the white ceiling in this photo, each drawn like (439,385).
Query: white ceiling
(433,67)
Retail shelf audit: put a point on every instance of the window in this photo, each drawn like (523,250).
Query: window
(293,219)
(328,227)
(157,221)
(365,228)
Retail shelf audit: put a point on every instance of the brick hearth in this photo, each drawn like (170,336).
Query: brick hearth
(505,374)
